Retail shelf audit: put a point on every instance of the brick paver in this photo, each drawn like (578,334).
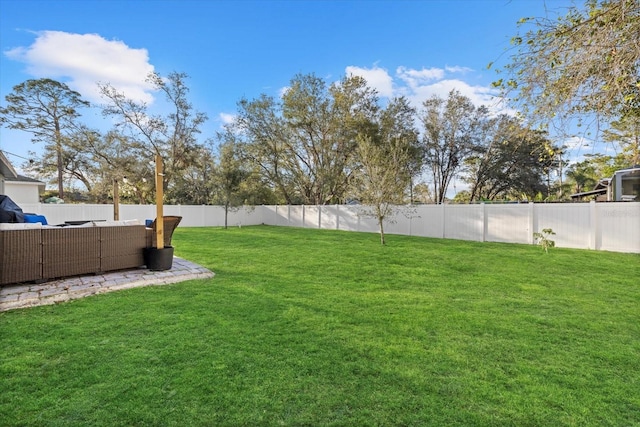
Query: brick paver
(56,291)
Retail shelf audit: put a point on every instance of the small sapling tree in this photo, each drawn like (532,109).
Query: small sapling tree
(543,239)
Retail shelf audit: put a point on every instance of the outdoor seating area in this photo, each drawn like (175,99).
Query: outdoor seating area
(33,252)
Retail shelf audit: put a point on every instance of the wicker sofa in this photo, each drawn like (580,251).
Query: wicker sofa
(39,253)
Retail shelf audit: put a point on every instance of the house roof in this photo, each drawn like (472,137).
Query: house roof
(22,178)
(633,170)
(602,184)
(6,169)
(25,180)
(589,193)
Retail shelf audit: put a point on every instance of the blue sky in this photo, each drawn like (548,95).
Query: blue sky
(235,49)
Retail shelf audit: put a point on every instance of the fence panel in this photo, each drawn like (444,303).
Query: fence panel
(311,218)
(246,215)
(401,221)
(192,216)
(508,223)
(281,215)
(464,222)
(141,212)
(209,216)
(570,222)
(619,226)
(367,221)
(297,216)
(348,218)
(329,217)
(274,215)
(428,221)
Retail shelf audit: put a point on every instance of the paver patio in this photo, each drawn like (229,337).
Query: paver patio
(56,291)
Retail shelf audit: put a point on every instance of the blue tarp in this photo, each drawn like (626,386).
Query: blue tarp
(9,211)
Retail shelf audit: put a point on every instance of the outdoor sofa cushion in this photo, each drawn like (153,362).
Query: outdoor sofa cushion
(32,218)
(20,226)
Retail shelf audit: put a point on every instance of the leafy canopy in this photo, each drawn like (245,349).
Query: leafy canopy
(584,63)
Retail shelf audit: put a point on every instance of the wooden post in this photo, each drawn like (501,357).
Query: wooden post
(116,200)
(159,197)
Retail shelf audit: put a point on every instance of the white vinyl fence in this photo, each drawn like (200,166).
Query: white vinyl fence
(600,226)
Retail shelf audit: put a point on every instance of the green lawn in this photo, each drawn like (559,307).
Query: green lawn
(308,327)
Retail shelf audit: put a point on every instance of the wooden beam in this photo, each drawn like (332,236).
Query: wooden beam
(159,198)
(116,200)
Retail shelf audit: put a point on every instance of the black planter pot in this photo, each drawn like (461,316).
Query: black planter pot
(158,259)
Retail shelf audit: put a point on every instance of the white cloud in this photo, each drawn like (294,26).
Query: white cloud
(479,95)
(458,69)
(227,118)
(415,78)
(377,78)
(417,85)
(85,60)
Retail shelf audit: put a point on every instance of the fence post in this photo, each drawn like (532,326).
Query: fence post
(303,219)
(444,214)
(319,216)
(532,222)
(485,222)
(337,217)
(595,231)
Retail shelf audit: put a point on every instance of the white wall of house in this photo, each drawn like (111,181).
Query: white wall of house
(22,192)
(6,170)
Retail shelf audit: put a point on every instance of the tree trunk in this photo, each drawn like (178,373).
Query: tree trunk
(60,175)
(59,159)
(226,214)
(380,224)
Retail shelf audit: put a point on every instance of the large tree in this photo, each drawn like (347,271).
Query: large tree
(397,122)
(513,162)
(451,128)
(76,164)
(575,65)
(262,132)
(305,142)
(195,184)
(172,135)
(49,110)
